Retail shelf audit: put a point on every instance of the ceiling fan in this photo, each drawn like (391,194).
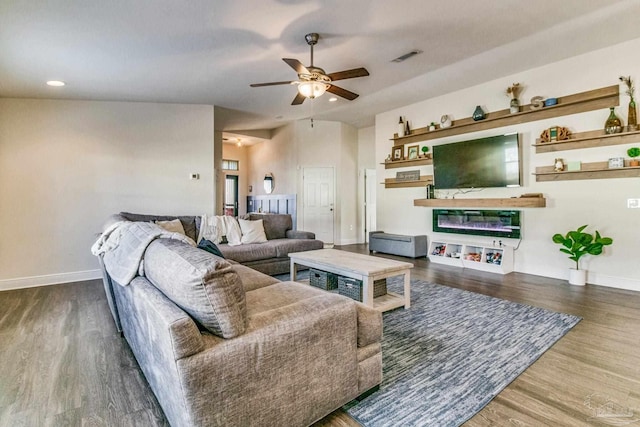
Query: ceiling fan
(314,81)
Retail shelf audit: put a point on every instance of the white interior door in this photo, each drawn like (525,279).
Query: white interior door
(318,206)
(369,202)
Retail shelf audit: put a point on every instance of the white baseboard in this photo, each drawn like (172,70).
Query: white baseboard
(613,282)
(348,242)
(49,279)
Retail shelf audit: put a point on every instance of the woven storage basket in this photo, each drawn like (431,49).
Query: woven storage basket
(323,280)
(352,288)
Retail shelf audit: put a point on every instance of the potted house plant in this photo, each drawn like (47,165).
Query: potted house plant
(576,244)
(425,150)
(634,152)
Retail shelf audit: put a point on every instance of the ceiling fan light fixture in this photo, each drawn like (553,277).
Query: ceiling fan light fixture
(312,89)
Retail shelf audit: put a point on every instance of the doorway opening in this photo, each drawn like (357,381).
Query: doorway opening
(231,195)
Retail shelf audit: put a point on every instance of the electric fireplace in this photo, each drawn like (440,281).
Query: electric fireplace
(492,223)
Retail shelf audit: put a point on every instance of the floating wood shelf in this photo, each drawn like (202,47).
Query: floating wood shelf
(596,170)
(406,163)
(605,97)
(394,183)
(594,138)
(513,202)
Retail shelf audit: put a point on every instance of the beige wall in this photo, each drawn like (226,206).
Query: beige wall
(276,156)
(66,165)
(296,146)
(366,160)
(570,204)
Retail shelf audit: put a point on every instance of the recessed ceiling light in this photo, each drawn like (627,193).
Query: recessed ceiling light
(333,99)
(56,83)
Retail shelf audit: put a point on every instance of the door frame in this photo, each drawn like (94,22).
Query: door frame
(236,188)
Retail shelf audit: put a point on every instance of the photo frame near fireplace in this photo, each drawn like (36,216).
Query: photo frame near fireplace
(397,153)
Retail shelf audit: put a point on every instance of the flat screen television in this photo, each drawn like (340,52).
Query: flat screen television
(479,222)
(478,163)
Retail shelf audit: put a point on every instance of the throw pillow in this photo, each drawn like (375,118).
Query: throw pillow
(209,246)
(252,231)
(203,285)
(174,226)
(234,234)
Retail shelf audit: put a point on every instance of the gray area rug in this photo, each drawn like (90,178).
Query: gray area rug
(453,351)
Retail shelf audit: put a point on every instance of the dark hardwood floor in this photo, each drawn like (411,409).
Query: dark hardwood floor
(64,364)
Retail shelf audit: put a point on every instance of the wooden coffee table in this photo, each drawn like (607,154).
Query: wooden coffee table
(362,267)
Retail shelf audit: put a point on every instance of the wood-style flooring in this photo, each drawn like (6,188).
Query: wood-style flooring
(63,363)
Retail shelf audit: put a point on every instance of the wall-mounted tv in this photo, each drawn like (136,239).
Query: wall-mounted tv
(479,222)
(479,163)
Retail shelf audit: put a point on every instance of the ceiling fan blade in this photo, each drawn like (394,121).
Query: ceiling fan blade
(349,74)
(299,99)
(342,92)
(271,84)
(296,65)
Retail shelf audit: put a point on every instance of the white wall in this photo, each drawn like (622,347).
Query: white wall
(65,166)
(599,203)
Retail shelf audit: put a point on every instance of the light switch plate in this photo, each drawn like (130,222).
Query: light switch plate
(633,203)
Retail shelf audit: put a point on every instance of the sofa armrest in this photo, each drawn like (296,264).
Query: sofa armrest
(299,234)
(299,360)
(369,325)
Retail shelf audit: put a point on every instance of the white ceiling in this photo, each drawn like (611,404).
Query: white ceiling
(208,52)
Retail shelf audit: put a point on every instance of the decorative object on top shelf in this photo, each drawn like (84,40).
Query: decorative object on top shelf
(407,129)
(401,127)
(613,123)
(397,153)
(576,244)
(555,133)
(634,152)
(388,159)
(413,152)
(478,114)
(558,165)
(432,126)
(632,120)
(616,162)
(445,121)
(425,150)
(537,102)
(513,91)
(550,101)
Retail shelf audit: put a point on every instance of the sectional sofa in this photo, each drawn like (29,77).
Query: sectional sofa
(222,344)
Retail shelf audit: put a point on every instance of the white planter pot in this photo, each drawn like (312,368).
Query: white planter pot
(577,277)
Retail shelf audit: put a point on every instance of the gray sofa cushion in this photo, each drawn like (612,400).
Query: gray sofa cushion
(250,252)
(204,285)
(191,224)
(275,225)
(252,279)
(286,246)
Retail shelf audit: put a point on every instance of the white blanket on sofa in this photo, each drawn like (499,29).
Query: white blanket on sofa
(123,246)
(213,227)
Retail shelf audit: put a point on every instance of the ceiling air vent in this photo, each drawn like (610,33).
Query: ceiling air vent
(407,56)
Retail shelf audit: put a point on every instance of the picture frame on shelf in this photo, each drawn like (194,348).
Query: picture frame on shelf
(397,153)
(413,152)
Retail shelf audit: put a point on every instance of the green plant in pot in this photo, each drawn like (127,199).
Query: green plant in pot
(634,152)
(576,244)
(425,150)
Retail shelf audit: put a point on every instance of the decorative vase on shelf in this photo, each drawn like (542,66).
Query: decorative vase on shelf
(632,119)
(400,127)
(613,123)
(514,106)
(478,114)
